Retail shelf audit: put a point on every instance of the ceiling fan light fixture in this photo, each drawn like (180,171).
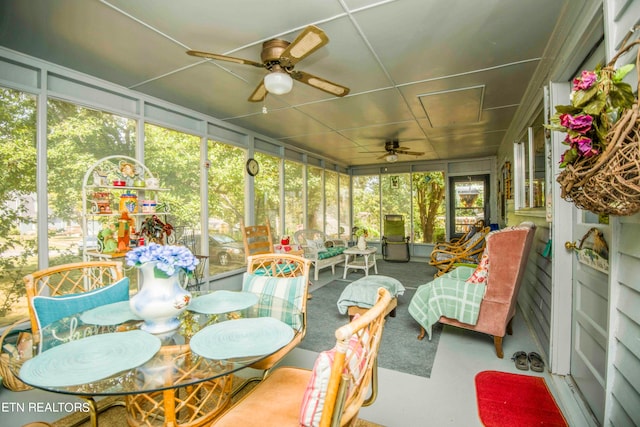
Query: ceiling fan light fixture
(392,158)
(278,83)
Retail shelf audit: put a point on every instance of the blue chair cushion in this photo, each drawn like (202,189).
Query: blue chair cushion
(51,309)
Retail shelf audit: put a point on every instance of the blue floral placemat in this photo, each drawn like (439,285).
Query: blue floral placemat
(223,302)
(242,338)
(89,359)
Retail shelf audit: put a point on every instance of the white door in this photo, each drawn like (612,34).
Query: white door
(589,329)
(579,336)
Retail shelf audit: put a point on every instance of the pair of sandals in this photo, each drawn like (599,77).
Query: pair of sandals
(524,360)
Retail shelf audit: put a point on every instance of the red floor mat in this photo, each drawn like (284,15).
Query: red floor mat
(506,400)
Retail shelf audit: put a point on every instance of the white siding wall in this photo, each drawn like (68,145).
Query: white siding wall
(534,298)
(623,376)
(622,406)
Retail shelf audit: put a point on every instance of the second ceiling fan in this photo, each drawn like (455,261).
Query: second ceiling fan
(392,148)
(279,57)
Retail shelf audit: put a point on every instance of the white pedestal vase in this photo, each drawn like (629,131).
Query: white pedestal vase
(160,301)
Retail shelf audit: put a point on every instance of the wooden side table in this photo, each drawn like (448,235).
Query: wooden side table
(367,261)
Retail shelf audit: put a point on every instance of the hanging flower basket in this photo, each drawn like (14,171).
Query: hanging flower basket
(602,165)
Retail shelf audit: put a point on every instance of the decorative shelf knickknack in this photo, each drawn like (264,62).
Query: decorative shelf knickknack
(603,175)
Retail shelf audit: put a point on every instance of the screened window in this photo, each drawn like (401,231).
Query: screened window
(315,198)
(530,166)
(468,197)
(429,210)
(344,231)
(366,204)
(396,197)
(18,232)
(293,197)
(77,137)
(331,203)
(267,192)
(225,181)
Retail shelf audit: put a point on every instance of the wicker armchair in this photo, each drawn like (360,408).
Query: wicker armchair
(459,241)
(468,252)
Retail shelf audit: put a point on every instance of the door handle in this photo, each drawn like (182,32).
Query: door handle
(570,246)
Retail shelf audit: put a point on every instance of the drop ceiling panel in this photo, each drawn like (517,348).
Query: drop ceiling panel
(453,107)
(366,109)
(446,37)
(281,123)
(501,86)
(225,26)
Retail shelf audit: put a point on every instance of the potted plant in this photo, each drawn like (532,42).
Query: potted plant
(361,233)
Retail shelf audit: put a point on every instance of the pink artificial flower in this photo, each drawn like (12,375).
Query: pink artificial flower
(585,81)
(583,145)
(580,124)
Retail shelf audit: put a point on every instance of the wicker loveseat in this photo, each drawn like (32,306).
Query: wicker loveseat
(321,250)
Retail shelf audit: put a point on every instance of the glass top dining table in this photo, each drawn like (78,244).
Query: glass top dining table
(225,339)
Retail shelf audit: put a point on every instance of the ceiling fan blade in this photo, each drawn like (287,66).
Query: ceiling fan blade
(412,153)
(383,156)
(224,58)
(308,41)
(259,94)
(318,83)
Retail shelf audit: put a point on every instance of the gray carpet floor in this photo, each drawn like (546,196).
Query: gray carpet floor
(416,357)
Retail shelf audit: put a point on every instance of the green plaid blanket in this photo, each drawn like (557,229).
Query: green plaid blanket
(448,297)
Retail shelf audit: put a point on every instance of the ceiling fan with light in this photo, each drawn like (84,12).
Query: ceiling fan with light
(392,149)
(279,57)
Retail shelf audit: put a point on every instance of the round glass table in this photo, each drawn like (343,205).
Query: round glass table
(182,377)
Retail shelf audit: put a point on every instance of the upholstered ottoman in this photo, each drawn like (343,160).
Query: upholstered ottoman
(360,295)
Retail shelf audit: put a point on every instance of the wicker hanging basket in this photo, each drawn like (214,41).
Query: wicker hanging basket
(610,182)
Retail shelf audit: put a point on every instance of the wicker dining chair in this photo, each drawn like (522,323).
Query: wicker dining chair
(281,266)
(73,278)
(329,395)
